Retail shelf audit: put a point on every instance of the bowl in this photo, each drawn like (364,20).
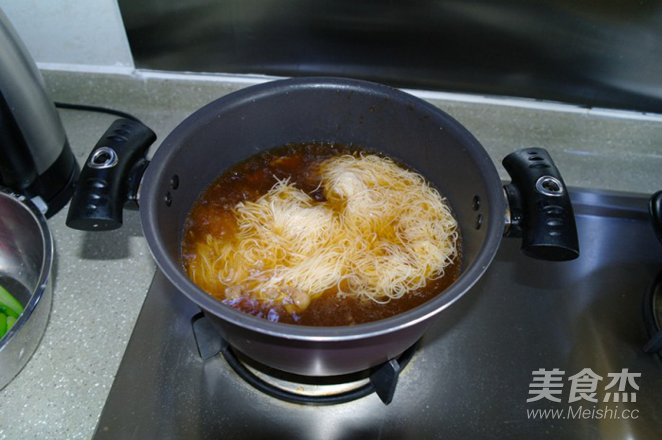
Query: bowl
(26,259)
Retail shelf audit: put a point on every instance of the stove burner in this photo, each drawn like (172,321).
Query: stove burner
(298,389)
(653,315)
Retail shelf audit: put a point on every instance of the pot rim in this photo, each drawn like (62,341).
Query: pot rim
(37,293)
(494,221)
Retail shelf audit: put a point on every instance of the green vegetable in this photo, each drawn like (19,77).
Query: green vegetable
(11,304)
(7,311)
(10,309)
(3,324)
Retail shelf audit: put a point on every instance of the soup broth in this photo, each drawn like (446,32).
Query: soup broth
(214,217)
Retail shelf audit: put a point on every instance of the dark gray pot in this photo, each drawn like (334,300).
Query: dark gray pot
(346,111)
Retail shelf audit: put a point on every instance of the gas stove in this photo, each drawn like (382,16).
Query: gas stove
(534,349)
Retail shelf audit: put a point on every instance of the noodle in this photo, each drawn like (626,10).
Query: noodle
(381,232)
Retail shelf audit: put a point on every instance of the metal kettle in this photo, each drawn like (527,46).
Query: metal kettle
(35,157)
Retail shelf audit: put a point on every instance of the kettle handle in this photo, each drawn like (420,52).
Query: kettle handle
(111,171)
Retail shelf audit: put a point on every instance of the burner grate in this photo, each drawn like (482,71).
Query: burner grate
(381,380)
(653,315)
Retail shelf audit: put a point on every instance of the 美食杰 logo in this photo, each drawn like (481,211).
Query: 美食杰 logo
(584,386)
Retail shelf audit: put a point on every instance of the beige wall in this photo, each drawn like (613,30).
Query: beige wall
(72,34)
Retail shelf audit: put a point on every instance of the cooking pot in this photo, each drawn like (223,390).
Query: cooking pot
(534,206)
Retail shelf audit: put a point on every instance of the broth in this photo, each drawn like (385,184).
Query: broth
(249,180)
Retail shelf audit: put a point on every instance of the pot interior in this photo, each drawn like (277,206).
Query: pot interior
(350,112)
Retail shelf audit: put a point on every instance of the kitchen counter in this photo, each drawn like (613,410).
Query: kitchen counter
(101,279)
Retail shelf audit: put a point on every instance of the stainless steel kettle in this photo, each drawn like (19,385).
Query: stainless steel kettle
(35,157)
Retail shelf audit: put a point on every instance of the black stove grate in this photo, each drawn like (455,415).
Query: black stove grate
(653,315)
(382,379)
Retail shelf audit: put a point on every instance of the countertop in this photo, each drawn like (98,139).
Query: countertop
(101,279)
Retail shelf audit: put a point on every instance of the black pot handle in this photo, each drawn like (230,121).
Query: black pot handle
(110,177)
(540,208)
(655,210)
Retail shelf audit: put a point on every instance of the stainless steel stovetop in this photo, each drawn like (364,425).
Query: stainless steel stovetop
(473,374)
